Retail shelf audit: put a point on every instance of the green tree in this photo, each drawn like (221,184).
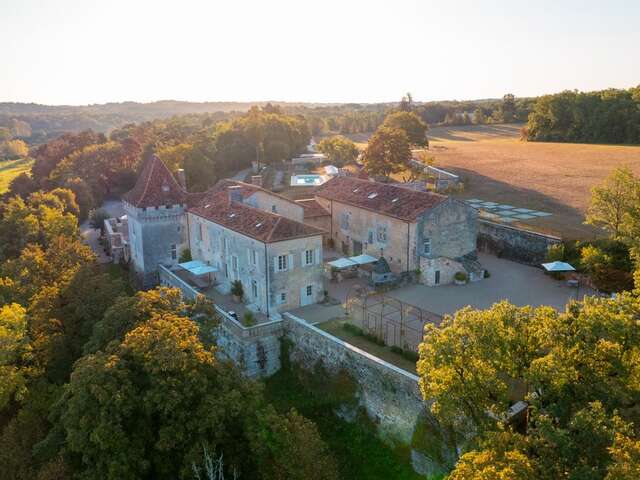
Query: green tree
(146,408)
(12,149)
(289,447)
(479,117)
(339,150)
(387,152)
(411,124)
(575,370)
(613,204)
(15,353)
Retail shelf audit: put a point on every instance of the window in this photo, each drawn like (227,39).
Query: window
(309,290)
(426,246)
(282,298)
(308,257)
(274,209)
(344,220)
(370,236)
(254,257)
(174,252)
(234,263)
(382,233)
(282,263)
(200,231)
(254,289)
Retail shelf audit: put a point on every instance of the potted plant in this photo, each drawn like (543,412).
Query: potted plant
(249,319)
(460,278)
(237,291)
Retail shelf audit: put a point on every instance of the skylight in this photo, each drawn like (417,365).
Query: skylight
(207,205)
(372,195)
(355,190)
(394,200)
(231,215)
(258,225)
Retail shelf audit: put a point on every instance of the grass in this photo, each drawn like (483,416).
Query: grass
(10,169)
(355,446)
(336,328)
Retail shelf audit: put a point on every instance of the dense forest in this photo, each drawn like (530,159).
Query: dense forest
(37,124)
(94,165)
(606,116)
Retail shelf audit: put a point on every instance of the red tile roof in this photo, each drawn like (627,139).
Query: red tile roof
(312,209)
(247,189)
(263,226)
(384,198)
(155,186)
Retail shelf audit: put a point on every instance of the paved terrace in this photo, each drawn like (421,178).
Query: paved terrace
(517,283)
(185,282)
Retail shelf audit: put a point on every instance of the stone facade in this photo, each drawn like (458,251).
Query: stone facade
(434,242)
(264,276)
(157,235)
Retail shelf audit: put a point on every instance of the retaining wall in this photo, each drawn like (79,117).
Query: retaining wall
(516,244)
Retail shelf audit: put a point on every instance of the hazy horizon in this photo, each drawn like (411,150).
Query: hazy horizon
(76,53)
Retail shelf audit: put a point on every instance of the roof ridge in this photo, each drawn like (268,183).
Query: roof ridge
(148,179)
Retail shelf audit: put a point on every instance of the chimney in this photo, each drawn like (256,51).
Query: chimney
(235,193)
(181,178)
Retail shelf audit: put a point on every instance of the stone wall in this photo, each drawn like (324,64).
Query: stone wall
(390,395)
(513,243)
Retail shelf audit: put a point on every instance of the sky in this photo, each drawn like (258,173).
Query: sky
(78,52)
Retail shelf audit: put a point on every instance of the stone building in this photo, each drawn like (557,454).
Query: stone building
(248,233)
(414,231)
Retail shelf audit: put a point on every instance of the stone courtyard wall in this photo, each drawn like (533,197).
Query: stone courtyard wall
(390,395)
(512,243)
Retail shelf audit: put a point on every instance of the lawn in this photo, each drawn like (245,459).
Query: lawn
(335,328)
(10,169)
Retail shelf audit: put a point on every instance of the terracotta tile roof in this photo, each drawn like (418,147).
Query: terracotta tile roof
(263,226)
(384,198)
(155,186)
(312,208)
(247,189)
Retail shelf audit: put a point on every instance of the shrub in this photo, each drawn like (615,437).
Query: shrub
(236,289)
(396,349)
(487,274)
(460,276)
(249,319)
(185,256)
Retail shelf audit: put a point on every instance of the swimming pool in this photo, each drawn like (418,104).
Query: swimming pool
(307,180)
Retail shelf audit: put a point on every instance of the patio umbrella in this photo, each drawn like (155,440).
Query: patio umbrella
(558,267)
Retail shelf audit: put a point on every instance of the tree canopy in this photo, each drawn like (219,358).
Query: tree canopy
(339,150)
(575,371)
(387,152)
(411,124)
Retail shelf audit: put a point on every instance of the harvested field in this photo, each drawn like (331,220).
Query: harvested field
(497,166)
(552,177)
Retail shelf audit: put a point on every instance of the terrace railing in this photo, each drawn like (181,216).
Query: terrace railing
(229,323)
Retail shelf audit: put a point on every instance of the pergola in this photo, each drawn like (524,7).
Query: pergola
(347,262)
(197,268)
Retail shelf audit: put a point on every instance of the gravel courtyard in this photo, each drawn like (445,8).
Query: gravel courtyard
(520,284)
